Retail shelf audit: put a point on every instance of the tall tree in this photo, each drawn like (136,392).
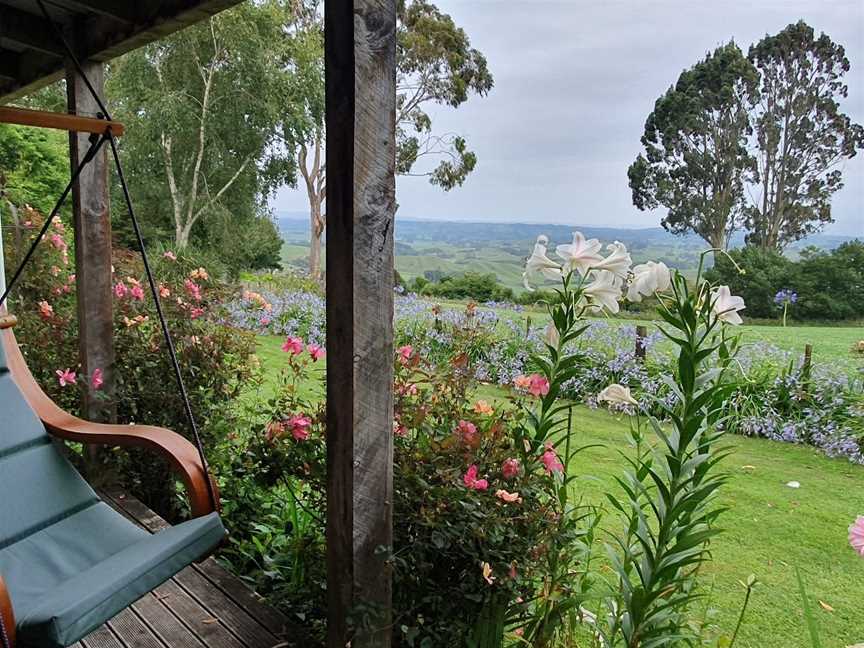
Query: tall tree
(696,155)
(801,135)
(203,106)
(435,65)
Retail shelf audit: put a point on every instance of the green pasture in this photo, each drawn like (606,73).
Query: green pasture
(769,529)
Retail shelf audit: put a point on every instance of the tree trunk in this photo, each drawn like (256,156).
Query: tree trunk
(315,231)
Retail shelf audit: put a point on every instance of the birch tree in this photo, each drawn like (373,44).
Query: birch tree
(203,107)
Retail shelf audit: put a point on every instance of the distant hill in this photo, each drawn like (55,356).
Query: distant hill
(456,246)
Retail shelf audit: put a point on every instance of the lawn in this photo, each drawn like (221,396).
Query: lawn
(769,529)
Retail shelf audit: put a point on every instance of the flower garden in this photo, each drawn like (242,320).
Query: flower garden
(554,484)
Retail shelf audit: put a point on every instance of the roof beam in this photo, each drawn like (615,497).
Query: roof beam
(28,31)
(126,12)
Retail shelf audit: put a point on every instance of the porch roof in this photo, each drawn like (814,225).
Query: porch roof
(98,30)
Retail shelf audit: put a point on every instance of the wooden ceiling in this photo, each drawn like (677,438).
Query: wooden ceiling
(99,30)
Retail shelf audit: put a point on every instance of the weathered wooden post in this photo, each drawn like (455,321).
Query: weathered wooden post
(92,225)
(641,334)
(360,71)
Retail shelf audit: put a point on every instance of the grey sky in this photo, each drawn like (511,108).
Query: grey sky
(574,81)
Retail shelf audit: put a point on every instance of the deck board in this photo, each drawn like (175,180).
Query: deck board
(204,606)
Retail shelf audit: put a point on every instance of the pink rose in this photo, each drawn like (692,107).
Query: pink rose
(293,345)
(315,351)
(538,386)
(300,427)
(468,432)
(471,481)
(551,461)
(510,468)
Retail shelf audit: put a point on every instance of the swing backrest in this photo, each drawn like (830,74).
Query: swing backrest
(38,486)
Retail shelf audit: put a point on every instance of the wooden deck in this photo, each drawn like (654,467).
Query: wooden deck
(202,607)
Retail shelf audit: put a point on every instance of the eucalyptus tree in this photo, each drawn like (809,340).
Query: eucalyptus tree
(802,137)
(202,108)
(695,140)
(436,65)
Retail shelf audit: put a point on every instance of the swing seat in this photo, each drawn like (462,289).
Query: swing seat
(68,561)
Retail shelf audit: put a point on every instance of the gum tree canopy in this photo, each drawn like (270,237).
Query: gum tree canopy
(435,65)
(696,153)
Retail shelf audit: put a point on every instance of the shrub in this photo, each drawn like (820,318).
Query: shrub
(215,359)
(471,285)
(829,285)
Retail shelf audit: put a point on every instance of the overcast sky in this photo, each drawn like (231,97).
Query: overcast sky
(574,82)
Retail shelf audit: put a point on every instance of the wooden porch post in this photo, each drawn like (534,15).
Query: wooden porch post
(92,225)
(360,47)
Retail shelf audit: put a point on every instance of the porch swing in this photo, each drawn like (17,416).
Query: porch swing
(68,561)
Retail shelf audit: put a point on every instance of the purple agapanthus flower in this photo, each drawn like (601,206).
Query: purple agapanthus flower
(785,296)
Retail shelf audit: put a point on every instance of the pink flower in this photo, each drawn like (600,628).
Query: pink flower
(399,429)
(522,382)
(193,289)
(195,313)
(170,256)
(97,379)
(293,345)
(405,351)
(471,481)
(164,291)
(66,377)
(510,468)
(856,535)
(300,427)
(274,430)
(315,351)
(120,290)
(137,293)
(58,242)
(551,461)
(510,498)
(538,385)
(468,432)
(46,310)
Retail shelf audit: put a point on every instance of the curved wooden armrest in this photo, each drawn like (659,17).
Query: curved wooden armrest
(182,455)
(6,614)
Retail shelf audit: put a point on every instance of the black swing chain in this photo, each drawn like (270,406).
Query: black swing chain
(96,144)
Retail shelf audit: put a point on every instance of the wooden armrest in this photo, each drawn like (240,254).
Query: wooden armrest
(180,453)
(6,615)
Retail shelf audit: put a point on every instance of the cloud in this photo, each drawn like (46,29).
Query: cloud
(574,82)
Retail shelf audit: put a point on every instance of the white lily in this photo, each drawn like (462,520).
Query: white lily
(648,278)
(618,262)
(581,254)
(726,305)
(616,394)
(604,291)
(539,262)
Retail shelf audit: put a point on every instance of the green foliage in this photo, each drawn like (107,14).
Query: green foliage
(830,285)
(669,492)
(471,285)
(695,148)
(34,167)
(435,65)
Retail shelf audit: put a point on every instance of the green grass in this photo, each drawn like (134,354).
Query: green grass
(769,529)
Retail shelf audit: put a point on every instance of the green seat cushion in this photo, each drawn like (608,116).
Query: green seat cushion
(70,561)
